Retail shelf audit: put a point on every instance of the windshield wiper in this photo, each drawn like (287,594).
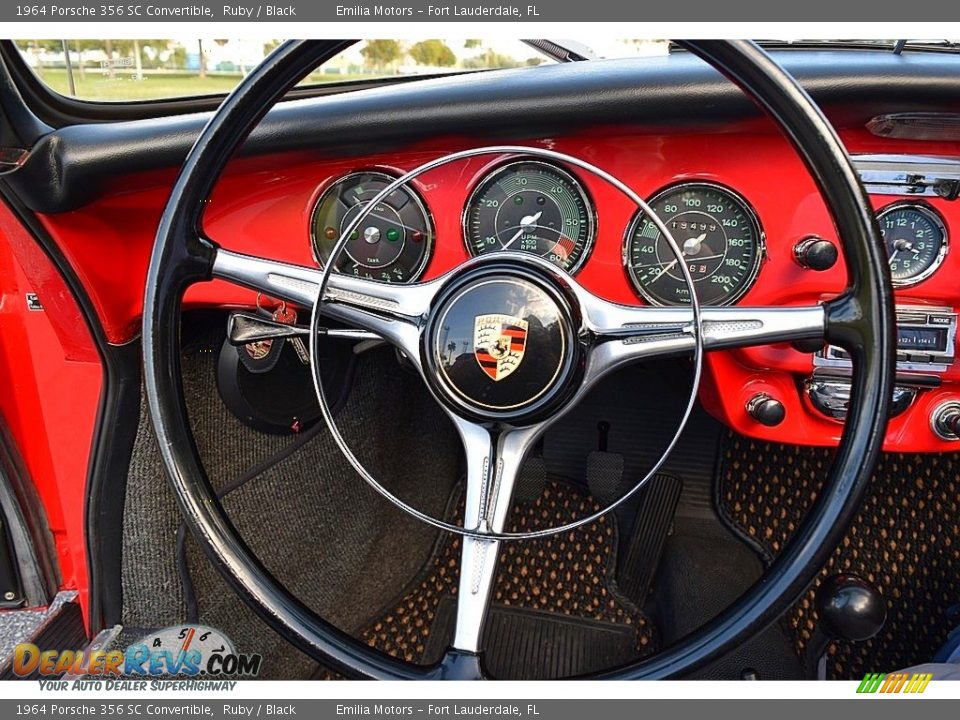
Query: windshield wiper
(563,51)
(900,45)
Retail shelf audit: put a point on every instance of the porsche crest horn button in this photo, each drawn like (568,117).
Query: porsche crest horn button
(499,343)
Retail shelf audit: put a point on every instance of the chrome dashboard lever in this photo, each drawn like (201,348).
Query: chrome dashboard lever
(244,328)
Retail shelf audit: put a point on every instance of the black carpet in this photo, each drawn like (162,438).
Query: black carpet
(313,522)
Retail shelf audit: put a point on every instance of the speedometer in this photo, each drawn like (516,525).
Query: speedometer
(720,238)
(531,206)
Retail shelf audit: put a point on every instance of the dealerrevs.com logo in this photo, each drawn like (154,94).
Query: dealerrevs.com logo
(191,651)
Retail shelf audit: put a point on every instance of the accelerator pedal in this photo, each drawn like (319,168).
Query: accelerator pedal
(654,519)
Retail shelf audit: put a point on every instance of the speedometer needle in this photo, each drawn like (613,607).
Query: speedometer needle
(661,264)
(690,247)
(525,223)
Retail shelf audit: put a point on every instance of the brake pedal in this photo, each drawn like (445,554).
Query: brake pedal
(604,469)
(604,475)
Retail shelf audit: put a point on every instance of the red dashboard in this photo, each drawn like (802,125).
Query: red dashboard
(264,205)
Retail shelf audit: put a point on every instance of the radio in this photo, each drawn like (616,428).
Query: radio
(926,343)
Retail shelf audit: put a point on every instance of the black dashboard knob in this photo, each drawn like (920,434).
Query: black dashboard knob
(850,608)
(816,253)
(808,346)
(766,410)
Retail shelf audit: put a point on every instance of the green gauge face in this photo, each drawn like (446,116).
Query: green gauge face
(533,207)
(916,240)
(719,236)
(392,243)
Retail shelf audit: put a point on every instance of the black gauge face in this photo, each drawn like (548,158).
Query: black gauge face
(720,238)
(916,240)
(533,207)
(391,244)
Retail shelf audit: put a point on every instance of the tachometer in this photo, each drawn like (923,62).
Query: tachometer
(916,240)
(393,242)
(531,206)
(719,235)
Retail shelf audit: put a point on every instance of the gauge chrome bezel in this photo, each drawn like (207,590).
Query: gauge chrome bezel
(499,168)
(761,241)
(390,176)
(934,216)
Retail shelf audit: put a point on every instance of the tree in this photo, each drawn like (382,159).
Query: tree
(472,44)
(80,47)
(492,60)
(434,53)
(380,53)
(132,48)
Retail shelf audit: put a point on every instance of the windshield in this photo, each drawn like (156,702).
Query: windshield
(156,69)
(151,69)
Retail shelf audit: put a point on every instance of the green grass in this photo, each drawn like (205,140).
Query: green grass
(123,86)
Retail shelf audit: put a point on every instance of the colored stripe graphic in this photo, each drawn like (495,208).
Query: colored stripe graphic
(871,682)
(913,683)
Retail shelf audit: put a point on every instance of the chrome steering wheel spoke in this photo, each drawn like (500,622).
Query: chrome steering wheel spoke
(394,312)
(494,458)
(623,334)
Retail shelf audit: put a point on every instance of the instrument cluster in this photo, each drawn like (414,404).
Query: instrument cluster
(529,205)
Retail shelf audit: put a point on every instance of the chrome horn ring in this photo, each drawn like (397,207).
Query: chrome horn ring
(480,532)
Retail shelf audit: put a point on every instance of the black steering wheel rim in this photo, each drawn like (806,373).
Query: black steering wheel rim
(861,320)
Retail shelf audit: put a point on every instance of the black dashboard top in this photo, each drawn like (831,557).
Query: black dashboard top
(73,165)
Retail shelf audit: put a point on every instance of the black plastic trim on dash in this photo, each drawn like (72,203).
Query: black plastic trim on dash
(74,165)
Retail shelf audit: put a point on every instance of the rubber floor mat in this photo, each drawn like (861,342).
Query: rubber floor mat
(567,576)
(523,644)
(904,540)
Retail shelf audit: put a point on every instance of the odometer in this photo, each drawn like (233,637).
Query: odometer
(720,238)
(916,240)
(393,241)
(534,207)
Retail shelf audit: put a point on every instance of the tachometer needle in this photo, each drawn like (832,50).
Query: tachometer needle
(525,223)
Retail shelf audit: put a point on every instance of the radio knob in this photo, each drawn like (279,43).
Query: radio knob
(946,421)
(815,253)
(766,410)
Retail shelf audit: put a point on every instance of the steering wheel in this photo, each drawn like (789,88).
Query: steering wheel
(579,338)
